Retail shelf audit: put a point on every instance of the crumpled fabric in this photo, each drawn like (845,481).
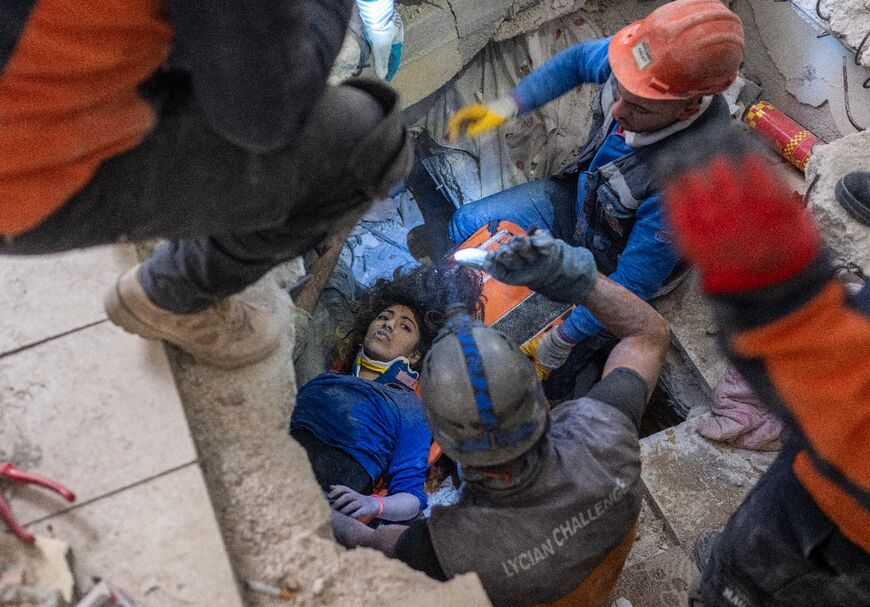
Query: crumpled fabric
(739,417)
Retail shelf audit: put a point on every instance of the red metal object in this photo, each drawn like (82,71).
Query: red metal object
(792,141)
(10,472)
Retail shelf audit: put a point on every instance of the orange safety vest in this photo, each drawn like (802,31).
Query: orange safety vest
(69,100)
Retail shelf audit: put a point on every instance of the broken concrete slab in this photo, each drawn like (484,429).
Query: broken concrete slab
(53,294)
(442,36)
(801,73)
(653,535)
(660,581)
(691,319)
(476,22)
(760,66)
(847,236)
(850,21)
(694,483)
(537,14)
(431,52)
(158,541)
(96,410)
(45,565)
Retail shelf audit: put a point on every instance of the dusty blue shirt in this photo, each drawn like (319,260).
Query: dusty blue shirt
(381,427)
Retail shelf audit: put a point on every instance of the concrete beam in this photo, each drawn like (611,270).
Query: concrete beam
(431,54)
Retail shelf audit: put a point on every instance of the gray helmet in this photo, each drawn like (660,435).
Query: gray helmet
(482,399)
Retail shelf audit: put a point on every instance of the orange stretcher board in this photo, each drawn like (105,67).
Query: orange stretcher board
(518,312)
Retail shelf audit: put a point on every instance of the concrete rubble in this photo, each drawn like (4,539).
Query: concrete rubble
(442,36)
(800,72)
(43,570)
(849,238)
(850,21)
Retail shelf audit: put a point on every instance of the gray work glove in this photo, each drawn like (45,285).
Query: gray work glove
(544,264)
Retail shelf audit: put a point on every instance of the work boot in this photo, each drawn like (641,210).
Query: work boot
(853,193)
(231,333)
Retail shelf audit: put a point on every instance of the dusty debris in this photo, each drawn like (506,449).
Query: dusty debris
(850,20)
(538,14)
(28,596)
(695,483)
(653,536)
(35,573)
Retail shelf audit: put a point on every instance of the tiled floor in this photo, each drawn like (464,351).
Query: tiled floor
(95,408)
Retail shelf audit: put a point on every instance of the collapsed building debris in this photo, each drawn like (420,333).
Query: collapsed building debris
(269,508)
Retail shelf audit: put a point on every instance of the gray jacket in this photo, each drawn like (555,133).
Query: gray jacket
(541,538)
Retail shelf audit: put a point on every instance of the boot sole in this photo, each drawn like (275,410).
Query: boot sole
(122,317)
(857,208)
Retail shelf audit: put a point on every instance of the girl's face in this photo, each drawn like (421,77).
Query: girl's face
(394,333)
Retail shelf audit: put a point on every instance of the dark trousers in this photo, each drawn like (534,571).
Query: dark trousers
(331,465)
(780,550)
(230,213)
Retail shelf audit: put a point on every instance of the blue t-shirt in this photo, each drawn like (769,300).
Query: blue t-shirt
(381,427)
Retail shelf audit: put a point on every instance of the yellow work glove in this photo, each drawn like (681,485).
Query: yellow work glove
(548,351)
(476,119)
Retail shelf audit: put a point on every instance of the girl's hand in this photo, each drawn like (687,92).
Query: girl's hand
(349,502)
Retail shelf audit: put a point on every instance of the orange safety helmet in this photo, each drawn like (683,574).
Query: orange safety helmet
(682,49)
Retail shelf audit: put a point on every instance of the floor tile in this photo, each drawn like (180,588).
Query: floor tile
(52,294)
(158,541)
(96,410)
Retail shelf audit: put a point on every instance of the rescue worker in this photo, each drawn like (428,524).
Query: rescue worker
(801,338)
(239,153)
(660,81)
(551,498)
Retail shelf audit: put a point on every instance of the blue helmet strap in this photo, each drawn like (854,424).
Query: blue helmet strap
(492,436)
(461,326)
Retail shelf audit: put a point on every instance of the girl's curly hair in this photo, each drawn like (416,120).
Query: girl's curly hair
(427,290)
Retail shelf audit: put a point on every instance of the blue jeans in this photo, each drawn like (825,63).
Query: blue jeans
(780,550)
(230,214)
(545,203)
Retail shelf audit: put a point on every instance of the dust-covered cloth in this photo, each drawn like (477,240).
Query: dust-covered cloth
(739,417)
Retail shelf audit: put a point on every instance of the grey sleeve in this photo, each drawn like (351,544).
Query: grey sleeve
(622,389)
(414,548)
(258,67)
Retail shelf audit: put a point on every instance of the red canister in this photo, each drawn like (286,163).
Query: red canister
(792,141)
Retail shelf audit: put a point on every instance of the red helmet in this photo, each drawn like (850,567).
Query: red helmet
(682,49)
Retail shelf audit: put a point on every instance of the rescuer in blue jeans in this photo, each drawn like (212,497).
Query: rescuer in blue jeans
(661,80)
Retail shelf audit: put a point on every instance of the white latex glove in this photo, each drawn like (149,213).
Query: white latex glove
(385,33)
